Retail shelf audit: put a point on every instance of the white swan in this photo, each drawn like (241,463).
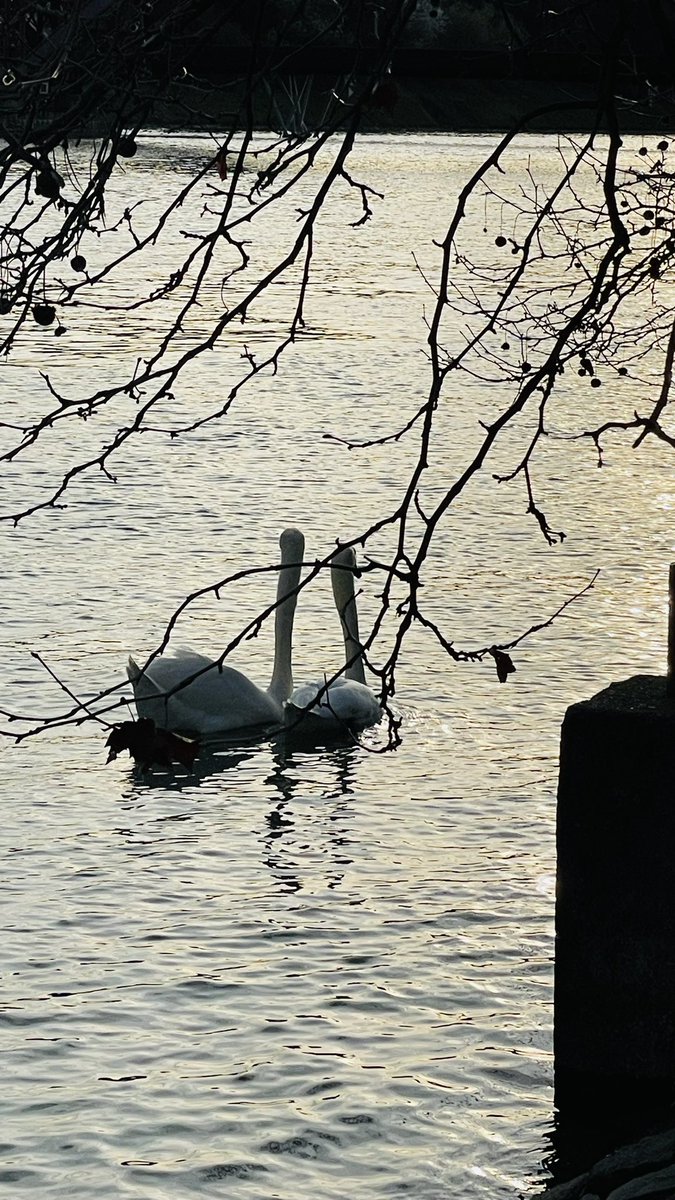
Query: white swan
(223,698)
(347,703)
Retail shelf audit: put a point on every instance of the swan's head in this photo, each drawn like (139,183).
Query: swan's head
(343,570)
(346,560)
(292,545)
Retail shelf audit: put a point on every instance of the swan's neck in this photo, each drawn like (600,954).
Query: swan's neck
(281,685)
(345,602)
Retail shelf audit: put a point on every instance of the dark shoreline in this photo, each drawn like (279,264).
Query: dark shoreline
(432,104)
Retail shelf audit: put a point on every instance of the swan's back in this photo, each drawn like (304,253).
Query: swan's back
(346,702)
(215,702)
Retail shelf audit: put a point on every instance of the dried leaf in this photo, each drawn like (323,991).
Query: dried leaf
(149,745)
(503,663)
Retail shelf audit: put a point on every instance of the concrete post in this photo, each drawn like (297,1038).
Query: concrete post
(670,685)
(614,1024)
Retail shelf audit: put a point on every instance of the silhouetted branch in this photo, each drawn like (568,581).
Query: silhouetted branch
(571,289)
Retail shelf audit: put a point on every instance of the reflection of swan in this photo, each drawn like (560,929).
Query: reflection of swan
(322,819)
(222,698)
(348,702)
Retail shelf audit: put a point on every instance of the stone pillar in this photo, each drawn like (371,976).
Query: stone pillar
(614,1023)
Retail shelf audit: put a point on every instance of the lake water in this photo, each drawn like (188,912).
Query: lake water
(298,972)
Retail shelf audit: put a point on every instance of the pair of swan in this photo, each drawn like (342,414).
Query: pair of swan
(220,698)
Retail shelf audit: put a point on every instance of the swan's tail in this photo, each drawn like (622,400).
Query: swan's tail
(143,684)
(133,670)
(149,698)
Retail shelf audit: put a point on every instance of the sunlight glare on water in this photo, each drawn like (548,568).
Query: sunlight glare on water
(300,973)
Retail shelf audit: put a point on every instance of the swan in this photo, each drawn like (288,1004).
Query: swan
(348,702)
(223,698)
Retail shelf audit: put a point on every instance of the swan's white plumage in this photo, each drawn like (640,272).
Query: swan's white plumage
(221,699)
(347,702)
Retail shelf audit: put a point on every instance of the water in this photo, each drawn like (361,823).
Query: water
(299,973)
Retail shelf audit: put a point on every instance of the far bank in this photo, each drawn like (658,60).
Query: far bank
(414,104)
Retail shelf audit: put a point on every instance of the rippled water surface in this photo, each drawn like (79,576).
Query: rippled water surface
(299,972)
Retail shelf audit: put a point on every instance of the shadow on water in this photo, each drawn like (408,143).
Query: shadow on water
(294,830)
(218,755)
(303,811)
